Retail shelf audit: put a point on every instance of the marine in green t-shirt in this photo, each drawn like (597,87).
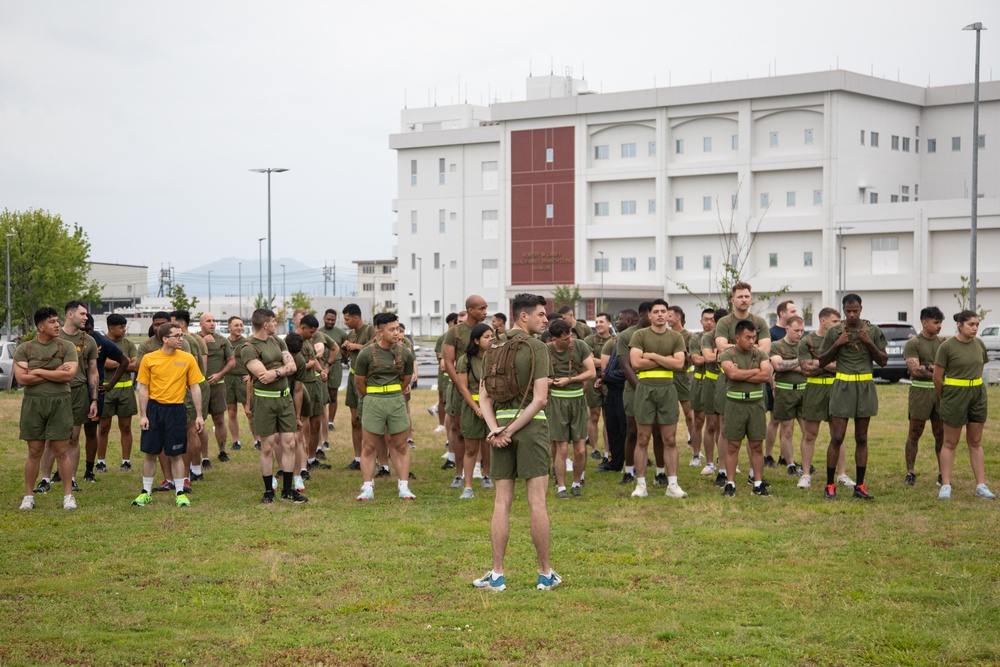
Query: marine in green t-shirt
(572,362)
(789,387)
(359,334)
(922,399)
(335,370)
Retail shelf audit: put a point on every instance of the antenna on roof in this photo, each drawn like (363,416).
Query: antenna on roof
(404,98)
(529,68)
(552,65)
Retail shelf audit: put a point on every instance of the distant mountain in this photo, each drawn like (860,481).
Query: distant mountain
(229,273)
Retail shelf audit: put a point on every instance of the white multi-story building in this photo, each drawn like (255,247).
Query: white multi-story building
(377,282)
(841,182)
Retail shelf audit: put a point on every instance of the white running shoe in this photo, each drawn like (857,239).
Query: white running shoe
(709,470)
(28,503)
(805,481)
(439,428)
(366,494)
(406,494)
(675,491)
(69,503)
(640,491)
(695,461)
(844,480)
(569,465)
(983,491)
(944,493)
(477,472)
(466,494)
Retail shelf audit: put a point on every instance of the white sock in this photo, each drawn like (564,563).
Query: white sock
(630,470)
(659,471)
(671,480)
(297,482)
(640,481)
(45,479)
(386,468)
(147,484)
(562,488)
(756,483)
(451,456)
(368,486)
(196,470)
(494,576)
(575,485)
(100,460)
(179,485)
(403,485)
(722,471)
(126,461)
(312,460)
(357,459)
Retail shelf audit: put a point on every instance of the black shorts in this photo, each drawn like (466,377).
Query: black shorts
(167,432)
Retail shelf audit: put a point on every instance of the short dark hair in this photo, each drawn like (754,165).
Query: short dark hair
(659,302)
(165,330)
(402,327)
(330,311)
(931,313)
(964,316)
(795,319)
(384,318)
(604,315)
(645,307)
(851,298)
(719,313)
(707,311)
(73,305)
(89,322)
(677,310)
(44,313)
(352,309)
(525,302)
(116,320)
(309,320)
(161,315)
(293,342)
(558,328)
(629,314)
(783,306)
(234,317)
(565,309)
(182,315)
(472,349)
(744,325)
(501,316)
(552,317)
(827,312)
(260,316)
(740,286)
(451,319)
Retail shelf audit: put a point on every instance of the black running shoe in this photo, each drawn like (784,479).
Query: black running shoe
(197,477)
(448,465)
(769,462)
(206,463)
(305,475)
(294,496)
(911,479)
(236,446)
(861,492)
(223,457)
(761,490)
(353,465)
(627,478)
(267,498)
(596,455)
(126,466)
(101,467)
(412,476)
(782,461)
(57,478)
(256,445)
(76,487)
(660,479)
(90,477)
(322,466)
(793,470)
(43,487)
(320,454)
(382,472)
(729,490)
(938,482)
(720,479)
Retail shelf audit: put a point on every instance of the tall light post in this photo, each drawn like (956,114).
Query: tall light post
(841,262)
(8,285)
(420,293)
(601,253)
(239,286)
(978,27)
(260,270)
(284,291)
(442,298)
(268,171)
(209,291)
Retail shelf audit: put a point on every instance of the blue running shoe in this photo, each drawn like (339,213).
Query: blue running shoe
(549,582)
(487,581)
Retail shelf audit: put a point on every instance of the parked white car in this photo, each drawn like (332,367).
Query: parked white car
(7,380)
(990,333)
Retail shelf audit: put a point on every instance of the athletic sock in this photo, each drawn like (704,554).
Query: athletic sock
(659,471)
(286,482)
(563,488)
(831,475)
(195,469)
(494,576)
(451,456)
(386,468)
(672,480)
(403,485)
(368,486)
(90,467)
(100,461)
(630,470)
(640,481)
(147,484)
(46,480)
(268,483)
(757,483)
(861,475)
(297,481)
(357,459)
(179,486)
(126,461)
(312,460)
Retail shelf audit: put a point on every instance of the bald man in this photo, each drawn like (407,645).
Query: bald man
(220,362)
(455,342)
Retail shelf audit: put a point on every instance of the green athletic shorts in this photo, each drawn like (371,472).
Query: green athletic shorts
(745,419)
(206,397)
(120,402)
(567,417)
(708,396)
(696,401)
(628,399)
(922,404)
(216,399)
(47,417)
(80,398)
(335,376)
(384,412)
(656,404)
(853,400)
(528,455)
(963,405)
(788,403)
(312,399)
(682,383)
(721,403)
(236,390)
(453,401)
(473,427)
(594,397)
(273,415)
(352,393)
(816,404)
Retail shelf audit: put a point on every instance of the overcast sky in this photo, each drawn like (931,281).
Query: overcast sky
(140,120)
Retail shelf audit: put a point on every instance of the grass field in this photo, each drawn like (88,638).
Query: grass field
(794,579)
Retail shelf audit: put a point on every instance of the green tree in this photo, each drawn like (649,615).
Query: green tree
(565,295)
(962,297)
(49,264)
(300,300)
(179,300)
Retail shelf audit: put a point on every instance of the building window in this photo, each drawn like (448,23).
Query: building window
(706,203)
(652,263)
(369,268)
(736,142)
(956,143)
(790,199)
(734,201)
(679,205)
(549,211)
(678,263)
(651,206)
(628,207)
(441,171)
(772,260)
(368,287)
(809,138)
(906,144)
(982,141)
(628,263)
(491,228)
(706,262)
(413,307)
(628,150)
(706,144)
(905,189)
(872,197)
(601,152)
(893,199)
(905,198)
(807,258)
(652,148)
(491,178)
(765,200)
(388,287)
(413,172)
(386,269)
(441,220)
(437,260)
(600,208)
(874,139)
(453,264)
(773,139)
(413,222)
(491,273)
(452,167)
(437,305)
(679,146)
(601,265)
(817,197)
(550,155)
(932,145)
(862,137)
(885,255)
(413,261)
(894,143)
(453,216)
(388,305)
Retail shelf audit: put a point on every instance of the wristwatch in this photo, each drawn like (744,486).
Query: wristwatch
(277,372)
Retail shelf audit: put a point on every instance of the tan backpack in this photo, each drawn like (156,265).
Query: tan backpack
(572,357)
(499,372)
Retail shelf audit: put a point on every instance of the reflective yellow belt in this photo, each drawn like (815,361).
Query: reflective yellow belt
(352,371)
(689,369)
(475,397)
(860,377)
(963,383)
(820,380)
(384,389)
(263,393)
(922,384)
(745,395)
(711,376)
(123,384)
(789,386)
(511,414)
(568,393)
(655,374)
(698,376)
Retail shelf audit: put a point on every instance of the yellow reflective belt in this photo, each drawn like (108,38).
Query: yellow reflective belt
(690,369)
(384,389)
(123,384)
(352,371)
(860,377)
(711,376)
(744,395)
(655,374)
(788,386)
(475,397)
(698,376)
(566,393)
(819,380)
(511,414)
(963,383)
(263,393)
(922,384)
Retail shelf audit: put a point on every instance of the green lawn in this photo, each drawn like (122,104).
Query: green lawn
(793,579)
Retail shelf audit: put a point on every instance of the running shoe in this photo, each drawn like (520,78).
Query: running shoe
(182,500)
(304,474)
(830,493)
(448,465)
(366,494)
(720,479)
(101,467)
(406,494)
(729,490)
(458,483)
(660,479)
(382,472)
(466,494)
(187,486)
(911,479)
(27,504)
(197,477)
(326,445)
(439,428)
(206,463)
(805,481)
(223,457)
(294,496)
(861,492)
(844,480)
(708,470)
(576,492)
(675,491)
(300,487)
(695,462)
(410,443)
(782,461)
(267,498)
(944,492)
(57,478)
(43,487)
(353,465)
(256,445)
(236,446)
(939,480)
(793,470)
(596,455)
(564,495)
(489,581)
(761,490)
(569,465)
(322,466)
(627,478)
(433,410)
(329,425)
(320,454)
(477,471)
(126,466)
(69,503)
(487,482)
(165,485)
(142,500)
(549,582)
(983,491)
(76,487)
(640,491)
(769,462)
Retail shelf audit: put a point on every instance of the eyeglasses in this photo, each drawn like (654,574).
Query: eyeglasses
(179,335)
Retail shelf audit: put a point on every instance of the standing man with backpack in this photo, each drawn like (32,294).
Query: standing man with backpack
(572,365)
(513,397)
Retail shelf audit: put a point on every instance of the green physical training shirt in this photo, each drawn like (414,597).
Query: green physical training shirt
(853,357)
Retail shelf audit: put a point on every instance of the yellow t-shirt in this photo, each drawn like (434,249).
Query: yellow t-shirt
(168,375)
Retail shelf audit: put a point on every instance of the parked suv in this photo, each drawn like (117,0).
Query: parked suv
(896,334)
(990,333)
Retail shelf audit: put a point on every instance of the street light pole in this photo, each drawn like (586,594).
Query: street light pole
(978,27)
(8,285)
(841,262)
(239,286)
(441,313)
(260,270)
(601,253)
(209,291)
(420,293)
(268,171)
(284,291)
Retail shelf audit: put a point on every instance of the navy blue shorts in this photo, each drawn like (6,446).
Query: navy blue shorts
(167,431)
